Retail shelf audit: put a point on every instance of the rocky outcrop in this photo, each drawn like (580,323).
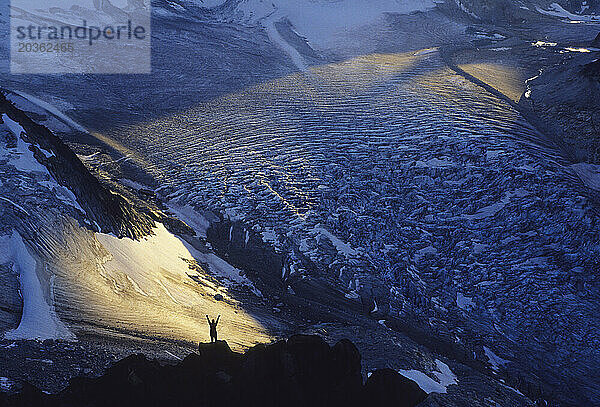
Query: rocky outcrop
(592,70)
(596,41)
(567,98)
(302,371)
(386,387)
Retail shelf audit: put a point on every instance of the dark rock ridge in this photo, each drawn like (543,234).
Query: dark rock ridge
(596,41)
(109,211)
(592,70)
(302,371)
(567,95)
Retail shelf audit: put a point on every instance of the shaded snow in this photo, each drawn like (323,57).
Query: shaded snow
(132,184)
(39,319)
(423,252)
(495,360)
(191,217)
(434,163)
(589,174)
(15,205)
(464,302)
(64,194)
(269,25)
(342,247)
(53,110)
(5,384)
(557,10)
(25,161)
(444,377)
(466,10)
(489,211)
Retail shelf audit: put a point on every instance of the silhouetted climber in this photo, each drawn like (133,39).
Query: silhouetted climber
(213,328)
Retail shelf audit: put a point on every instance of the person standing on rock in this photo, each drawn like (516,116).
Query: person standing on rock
(213,328)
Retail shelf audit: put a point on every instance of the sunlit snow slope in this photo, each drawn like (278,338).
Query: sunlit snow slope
(72,278)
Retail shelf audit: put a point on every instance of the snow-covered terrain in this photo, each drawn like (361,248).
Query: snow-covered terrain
(336,134)
(162,262)
(159,285)
(418,191)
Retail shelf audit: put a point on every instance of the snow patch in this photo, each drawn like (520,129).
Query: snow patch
(444,377)
(464,302)
(352,295)
(582,50)
(342,247)
(544,44)
(496,361)
(556,10)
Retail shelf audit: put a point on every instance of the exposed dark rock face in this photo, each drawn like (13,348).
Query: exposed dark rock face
(11,303)
(596,42)
(304,371)
(592,70)
(386,387)
(246,251)
(110,211)
(567,96)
